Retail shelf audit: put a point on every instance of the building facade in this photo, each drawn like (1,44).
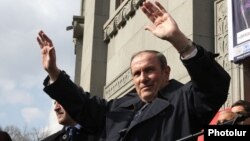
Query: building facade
(108,32)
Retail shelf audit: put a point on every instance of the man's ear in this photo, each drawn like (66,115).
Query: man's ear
(168,69)
(167,72)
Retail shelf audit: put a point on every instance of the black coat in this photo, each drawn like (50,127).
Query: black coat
(62,136)
(178,111)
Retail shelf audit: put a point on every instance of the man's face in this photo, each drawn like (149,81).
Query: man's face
(148,75)
(62,116)
(239,110)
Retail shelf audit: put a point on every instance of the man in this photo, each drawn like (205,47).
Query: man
(67,133)
(162,109)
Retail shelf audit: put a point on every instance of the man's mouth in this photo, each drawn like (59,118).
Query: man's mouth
(59,113)
(146,87)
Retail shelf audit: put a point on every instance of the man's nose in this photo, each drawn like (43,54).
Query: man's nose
(144,77)
(57,107)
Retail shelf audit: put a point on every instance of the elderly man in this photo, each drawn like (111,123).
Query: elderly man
(161,109)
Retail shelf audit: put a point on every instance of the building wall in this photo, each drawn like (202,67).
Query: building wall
(112,35)
(94,51)
(236,90)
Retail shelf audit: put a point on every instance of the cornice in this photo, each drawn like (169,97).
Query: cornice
(120,17)
(123,81)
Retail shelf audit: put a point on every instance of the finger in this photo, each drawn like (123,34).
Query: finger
(145,9)
(151,7)
(48,40)
(150,28)
(153,11)
(41,35)
(148,14)
(45,39)
(39,42)
(162,9)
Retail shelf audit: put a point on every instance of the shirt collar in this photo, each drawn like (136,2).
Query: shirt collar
(77,126)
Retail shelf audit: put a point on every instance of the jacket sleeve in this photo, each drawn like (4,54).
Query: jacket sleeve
(209,84)
(86,110)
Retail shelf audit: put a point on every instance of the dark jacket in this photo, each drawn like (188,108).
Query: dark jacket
(62,136)
(178,111)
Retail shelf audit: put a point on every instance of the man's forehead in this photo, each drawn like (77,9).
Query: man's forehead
(144,61)
(144,56)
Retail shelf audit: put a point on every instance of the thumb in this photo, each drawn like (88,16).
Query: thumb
(149,28)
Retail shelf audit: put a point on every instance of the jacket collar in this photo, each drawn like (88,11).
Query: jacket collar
(172,86)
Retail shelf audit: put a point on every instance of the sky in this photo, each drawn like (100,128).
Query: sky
(22,100)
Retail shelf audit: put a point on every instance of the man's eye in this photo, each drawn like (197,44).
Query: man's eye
(135,74)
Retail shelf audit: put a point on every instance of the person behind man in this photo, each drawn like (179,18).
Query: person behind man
(71,131)
(236,114)
(4,136)
(242,108)
(161,109)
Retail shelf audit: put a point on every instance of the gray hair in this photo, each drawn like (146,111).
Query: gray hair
(162,59)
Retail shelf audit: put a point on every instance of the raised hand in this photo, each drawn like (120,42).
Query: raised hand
(48,55)
(164,26)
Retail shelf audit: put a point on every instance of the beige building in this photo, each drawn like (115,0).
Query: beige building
(108,32)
